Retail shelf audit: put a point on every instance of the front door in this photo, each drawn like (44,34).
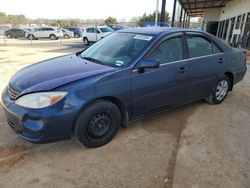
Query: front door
(163,86)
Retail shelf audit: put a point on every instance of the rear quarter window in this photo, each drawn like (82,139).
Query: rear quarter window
(216,49)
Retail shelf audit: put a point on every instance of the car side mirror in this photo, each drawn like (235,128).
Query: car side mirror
(98,31)
(149,64)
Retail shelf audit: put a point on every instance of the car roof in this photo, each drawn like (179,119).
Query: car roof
(156,30)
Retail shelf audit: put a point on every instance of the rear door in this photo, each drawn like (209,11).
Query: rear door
(91,34)
(163,86)
(39,32)
(206,63)
(48,31)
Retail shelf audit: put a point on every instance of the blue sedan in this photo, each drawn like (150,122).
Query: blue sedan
(123,77)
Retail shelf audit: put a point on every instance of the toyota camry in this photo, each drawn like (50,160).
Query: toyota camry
(123,77)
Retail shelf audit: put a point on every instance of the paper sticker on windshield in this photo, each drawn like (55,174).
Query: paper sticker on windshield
(143,37)
(119,63)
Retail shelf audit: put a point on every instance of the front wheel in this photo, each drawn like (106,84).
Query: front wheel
(97,124)
(52,37)
(220,91)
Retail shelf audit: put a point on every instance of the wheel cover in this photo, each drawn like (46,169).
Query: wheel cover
(221,90)
(99,125)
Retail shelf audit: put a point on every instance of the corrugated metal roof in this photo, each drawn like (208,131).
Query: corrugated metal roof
(196,7)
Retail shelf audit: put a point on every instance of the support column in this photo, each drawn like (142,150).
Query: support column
(217,33)
(183,23)
(180,19)
(228,30)
(188,21)
(163,6)
(173,15)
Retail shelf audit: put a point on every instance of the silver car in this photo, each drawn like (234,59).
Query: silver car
(67,34)
(45,32)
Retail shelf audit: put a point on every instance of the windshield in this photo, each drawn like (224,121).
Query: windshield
(105,29)
(117,49)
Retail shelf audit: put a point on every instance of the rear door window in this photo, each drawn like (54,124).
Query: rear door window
(198,46)
(90,30)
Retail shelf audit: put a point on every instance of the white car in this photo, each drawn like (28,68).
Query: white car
(93,34)
(67,34)
(44,32)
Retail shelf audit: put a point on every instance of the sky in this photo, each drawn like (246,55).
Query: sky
(83,9)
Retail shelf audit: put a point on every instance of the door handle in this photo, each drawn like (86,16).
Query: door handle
(182,70)
(220,60)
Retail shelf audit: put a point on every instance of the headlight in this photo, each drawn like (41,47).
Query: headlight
(40,100)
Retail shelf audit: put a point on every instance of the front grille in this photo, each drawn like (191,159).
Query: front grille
(17,127)
(13,93)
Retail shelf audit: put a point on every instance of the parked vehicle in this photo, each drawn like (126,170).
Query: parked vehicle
(121,78)
(67,34)
(44,32)
(77,31)
(14,33)
(93,34)
(117,27)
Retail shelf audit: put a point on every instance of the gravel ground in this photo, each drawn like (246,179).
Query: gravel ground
(197,145)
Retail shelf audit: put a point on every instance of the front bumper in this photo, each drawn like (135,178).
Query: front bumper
(49,124)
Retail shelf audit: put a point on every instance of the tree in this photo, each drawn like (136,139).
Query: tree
(111,20)
(12,19)
(74,22)
(151,17)
(3,18)
(60,23)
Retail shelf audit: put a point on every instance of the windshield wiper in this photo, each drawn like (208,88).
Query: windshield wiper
(98,61)
(93,59)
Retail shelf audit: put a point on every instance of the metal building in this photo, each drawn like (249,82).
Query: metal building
(227,19)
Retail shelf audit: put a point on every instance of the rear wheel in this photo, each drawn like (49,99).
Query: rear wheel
(31,37)
(85,41)
(220,90)
(97,124)
(76,35)
(66,36)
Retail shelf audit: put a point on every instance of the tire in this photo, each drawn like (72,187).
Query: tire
(66,36)
(52,37)
(31,37)
(76,35)
(97,124)
(219,91)
(85,41)
(9,36)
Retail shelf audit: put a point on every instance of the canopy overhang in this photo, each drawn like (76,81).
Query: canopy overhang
(195,8)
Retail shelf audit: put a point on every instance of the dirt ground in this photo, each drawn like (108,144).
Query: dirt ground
(195,146)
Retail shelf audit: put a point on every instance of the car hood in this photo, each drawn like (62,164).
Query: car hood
(55,72)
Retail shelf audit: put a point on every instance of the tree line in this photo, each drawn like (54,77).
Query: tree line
(16,20)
